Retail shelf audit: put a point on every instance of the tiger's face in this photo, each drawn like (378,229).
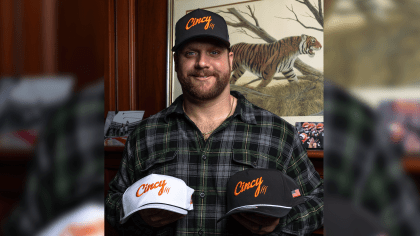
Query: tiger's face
(311,45)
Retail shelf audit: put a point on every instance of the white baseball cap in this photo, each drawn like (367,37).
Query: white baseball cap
(157,191)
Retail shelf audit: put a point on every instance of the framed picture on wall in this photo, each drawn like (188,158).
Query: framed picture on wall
(119,125)
(311,134)
(293,28)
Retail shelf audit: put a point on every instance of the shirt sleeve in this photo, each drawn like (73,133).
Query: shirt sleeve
(304,218)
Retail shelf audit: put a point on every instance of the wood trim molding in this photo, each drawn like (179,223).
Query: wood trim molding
(132,53)
(7,38)
(110,61)
(49,33)
(411,164)
(114,149)
(315,153)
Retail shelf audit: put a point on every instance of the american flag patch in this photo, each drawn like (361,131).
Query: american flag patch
(295,193)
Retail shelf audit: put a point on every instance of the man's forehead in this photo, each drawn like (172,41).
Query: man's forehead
(203,42)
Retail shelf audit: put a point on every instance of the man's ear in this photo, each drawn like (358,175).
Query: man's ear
(230,56)
(176,61)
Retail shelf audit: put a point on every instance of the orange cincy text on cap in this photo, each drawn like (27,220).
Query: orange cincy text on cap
(242,186)
(147,187)
(195,21)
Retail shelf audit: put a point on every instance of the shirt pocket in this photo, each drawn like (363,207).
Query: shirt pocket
(252,160)
(164,163)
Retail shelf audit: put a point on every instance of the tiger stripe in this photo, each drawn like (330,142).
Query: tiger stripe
(264,60)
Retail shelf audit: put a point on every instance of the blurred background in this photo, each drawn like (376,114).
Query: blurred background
(372,118)
(52,51)
(373,43)
(371,51)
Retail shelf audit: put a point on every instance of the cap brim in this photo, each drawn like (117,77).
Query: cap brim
(272,210)
(174,48)
(157,206)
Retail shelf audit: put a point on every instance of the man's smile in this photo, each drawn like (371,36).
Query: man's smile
(202,77)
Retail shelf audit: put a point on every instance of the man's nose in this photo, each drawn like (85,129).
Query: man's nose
(202,61)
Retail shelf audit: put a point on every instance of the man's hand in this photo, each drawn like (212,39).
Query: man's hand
(158,217)
(256,223)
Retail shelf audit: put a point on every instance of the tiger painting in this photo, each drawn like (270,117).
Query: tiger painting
(264,60)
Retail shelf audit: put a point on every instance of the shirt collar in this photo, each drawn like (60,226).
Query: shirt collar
(175,108)
(244,109)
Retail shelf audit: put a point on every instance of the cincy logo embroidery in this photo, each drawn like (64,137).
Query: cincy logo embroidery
(243,186)
(195,21)
(159,184)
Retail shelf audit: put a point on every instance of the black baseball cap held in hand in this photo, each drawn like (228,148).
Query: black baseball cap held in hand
(200,24)
(264,191)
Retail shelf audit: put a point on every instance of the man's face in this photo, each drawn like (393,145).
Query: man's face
(203,68)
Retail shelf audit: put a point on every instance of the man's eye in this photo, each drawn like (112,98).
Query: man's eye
(214,52)
(190,53)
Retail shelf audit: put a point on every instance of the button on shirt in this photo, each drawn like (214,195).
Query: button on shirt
(170,143)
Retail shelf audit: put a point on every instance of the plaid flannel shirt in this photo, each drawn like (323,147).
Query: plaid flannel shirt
(68,166)
(169,143)
(362,166)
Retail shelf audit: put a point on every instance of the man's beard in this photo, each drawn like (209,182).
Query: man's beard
(222,80)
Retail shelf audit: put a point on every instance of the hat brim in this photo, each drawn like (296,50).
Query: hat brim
(176,47)
(162,206)
(272,210)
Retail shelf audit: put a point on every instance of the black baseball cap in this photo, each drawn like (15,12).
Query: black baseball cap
(264,191)
(201,24)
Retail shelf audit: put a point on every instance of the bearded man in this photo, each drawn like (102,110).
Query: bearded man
(208,134)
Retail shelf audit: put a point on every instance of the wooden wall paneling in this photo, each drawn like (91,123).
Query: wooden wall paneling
(141,40)
(317,159)
(132,30)
(49,32)
(109,80)
(31,37)
(123,82)
(28,37)
(121,90)
(151,73)
(20,37)
(7,38)
(81,31)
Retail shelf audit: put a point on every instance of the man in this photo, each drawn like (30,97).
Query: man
(304,138)
(208,134)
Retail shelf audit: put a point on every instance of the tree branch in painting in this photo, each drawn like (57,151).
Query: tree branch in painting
(244,23)
(316,14)
(257,30)
(297,20)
